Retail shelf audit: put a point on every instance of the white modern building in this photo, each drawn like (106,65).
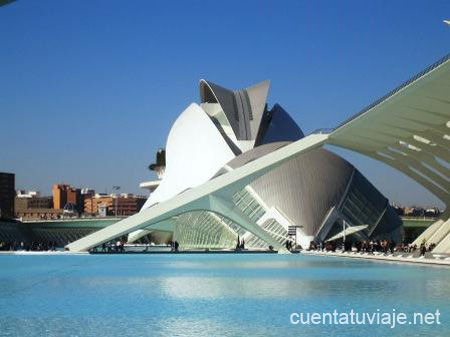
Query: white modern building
(233,166)
(306,199)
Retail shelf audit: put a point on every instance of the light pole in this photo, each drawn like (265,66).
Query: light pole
(345,229)
(343,224)
(292,231)
(116,188)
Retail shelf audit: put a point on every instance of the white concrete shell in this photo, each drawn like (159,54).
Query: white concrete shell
(195,151)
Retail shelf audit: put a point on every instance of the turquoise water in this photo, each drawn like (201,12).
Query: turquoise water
(211,295)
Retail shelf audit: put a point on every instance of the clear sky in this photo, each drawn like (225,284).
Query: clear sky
(90,89)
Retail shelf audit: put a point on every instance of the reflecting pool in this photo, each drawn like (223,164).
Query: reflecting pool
(211,295)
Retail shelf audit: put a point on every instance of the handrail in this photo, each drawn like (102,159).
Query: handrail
(323,131)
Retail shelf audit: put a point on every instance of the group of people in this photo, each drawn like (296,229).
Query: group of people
(329,246)
(29,246)
(410,248)
(290,245)
(424,249)
(174,245)
(380,246)
(118,247)
(240,244)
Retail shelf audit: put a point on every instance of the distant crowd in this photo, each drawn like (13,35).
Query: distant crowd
(380,246)
(112,247)
(370,247)
(29,246)
(119,247)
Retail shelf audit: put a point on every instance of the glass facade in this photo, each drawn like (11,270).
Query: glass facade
(275,229)
(204,229)
(363,205)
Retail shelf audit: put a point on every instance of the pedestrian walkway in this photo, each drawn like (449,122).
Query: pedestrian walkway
(437,261)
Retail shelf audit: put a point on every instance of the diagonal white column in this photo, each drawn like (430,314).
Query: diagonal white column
(443,245)
(431,230)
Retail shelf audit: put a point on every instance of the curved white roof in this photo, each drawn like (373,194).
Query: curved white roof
(195,151)
(408,129)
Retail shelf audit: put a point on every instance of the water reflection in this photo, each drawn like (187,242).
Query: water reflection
(208,295)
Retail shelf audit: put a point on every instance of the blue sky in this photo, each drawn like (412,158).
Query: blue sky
(90,89)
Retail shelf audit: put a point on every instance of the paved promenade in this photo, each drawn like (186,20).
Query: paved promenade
(434,261)
(140,252)
(398,258)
